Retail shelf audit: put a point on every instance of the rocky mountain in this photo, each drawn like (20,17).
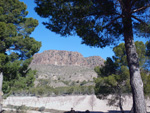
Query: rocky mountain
(66,58)
(64,68)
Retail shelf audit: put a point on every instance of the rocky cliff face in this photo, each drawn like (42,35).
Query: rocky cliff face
(66,58)
(64,68)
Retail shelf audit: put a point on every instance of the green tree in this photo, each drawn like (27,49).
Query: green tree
(121,57)
(113,77)
(147,65)
(114,83)
(102,23)
(16,46)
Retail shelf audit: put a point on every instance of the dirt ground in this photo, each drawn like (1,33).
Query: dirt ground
(63,104)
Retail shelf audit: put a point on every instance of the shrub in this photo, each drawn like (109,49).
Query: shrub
(41,109)
(21,109)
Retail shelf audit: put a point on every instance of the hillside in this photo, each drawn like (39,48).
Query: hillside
(65,68)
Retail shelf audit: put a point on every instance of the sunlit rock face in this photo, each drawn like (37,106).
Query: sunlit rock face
(60,67)
(66,58)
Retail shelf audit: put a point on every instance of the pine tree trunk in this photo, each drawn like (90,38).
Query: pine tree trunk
(1,92)
(120,103)
(139,105)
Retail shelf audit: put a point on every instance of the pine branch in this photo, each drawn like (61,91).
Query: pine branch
(112,21)
(139,20)
(139,9)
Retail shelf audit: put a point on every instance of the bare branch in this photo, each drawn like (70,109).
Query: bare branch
(142,8)
(139,20)
(112,21)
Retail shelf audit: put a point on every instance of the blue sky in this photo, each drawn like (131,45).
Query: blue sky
(53,41)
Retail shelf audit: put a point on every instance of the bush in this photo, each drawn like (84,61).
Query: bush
(83,83)
(21,109)
(41,109)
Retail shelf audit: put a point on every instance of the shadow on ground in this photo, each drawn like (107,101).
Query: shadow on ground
(112,111)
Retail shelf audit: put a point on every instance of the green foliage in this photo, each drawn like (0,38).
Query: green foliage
(21,109)
(98,23)
(146,82)
(101,23)
(2,29)
(25,82)
(113,83)
(86,19)
(45,90)
(120,53)
(110,68)
(66,82)
(113,77)
(83,83)
(2,59)
(148,48)
(147,65)
(43,82)
(16,46)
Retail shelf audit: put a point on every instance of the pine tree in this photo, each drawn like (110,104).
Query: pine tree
(16,45)
(102,23)
(113,78)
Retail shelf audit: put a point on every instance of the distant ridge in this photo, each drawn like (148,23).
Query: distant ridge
(66,58)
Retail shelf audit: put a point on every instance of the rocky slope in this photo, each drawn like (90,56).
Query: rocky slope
(66,58)
(64,68)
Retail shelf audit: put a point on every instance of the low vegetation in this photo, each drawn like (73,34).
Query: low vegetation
(25,109)
(50,91)
(44,88)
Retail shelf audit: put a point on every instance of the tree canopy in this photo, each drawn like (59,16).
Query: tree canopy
(103,23)
(98,23)
(113,78)
(16,45)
